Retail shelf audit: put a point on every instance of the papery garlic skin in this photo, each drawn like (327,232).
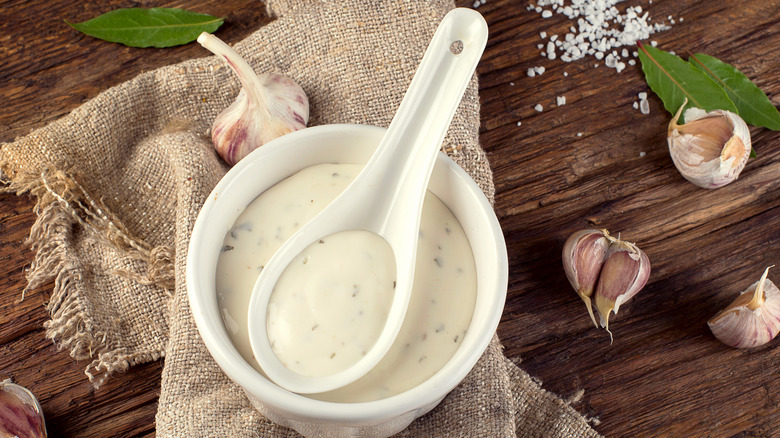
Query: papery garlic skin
(21,415)
(625,272)
(583,256)
(268,106)
(604,270)
(711,148)
(753,319)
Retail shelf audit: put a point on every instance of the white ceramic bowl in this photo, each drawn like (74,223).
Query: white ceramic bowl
(274,162)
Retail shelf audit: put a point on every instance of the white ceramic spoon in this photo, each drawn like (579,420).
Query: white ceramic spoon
(386,197)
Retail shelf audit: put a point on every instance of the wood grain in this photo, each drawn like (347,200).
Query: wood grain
(664,374)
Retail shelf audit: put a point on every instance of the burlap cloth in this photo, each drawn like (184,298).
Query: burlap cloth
(120,180)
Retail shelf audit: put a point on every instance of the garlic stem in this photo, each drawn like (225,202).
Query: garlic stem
(758,295)
(246,74)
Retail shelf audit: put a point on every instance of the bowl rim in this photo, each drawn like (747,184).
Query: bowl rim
(282,401)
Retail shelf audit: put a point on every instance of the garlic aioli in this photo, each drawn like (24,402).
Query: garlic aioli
(330,304)
(443,296)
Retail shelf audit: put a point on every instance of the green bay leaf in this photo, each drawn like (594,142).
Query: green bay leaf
(155,27)
(753,105)
(674,80)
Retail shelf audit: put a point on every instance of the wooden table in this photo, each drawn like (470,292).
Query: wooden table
(664,375)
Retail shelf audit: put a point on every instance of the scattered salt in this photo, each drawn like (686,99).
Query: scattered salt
(565,74)
(511,84)
(531,73)
(642,96)
(579,134)
(601,30)
(636,105)
(539,70)
(539,107)
(560,100)
(642,154)
(519,123)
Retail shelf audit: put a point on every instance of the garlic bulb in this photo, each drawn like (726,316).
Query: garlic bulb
(583,256)
(20,413)
(711,148)
(625,272)
(753,319)
(268,106)
(604,270)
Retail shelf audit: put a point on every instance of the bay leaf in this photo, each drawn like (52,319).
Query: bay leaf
(673,80)
(753,105)
(154,27)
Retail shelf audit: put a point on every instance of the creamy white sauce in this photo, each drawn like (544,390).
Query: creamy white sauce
(439,313)
(330,304)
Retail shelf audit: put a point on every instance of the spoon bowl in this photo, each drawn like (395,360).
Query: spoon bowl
(385,198)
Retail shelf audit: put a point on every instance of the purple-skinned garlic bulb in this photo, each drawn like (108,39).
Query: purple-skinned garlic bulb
(753,319)
(583,257)
(21,415)
(268,106)
(605,271)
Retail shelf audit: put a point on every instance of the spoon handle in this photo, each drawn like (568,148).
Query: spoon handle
(408,150)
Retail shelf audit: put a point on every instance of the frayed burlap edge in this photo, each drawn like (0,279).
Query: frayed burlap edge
(62,203)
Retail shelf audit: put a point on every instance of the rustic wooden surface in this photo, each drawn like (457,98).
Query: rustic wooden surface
(664,375)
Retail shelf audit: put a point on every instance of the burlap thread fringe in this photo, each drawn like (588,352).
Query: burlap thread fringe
(61,204)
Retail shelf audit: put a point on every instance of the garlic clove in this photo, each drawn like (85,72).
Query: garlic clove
(751,320)
(20,413)
(711,148)
(625,272)
(268,106)
(583,257)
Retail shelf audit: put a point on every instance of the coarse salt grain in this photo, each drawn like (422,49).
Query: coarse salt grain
(560,100)
(579,134)
(539,107)
(644,106)
(519,123)
(642,154)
